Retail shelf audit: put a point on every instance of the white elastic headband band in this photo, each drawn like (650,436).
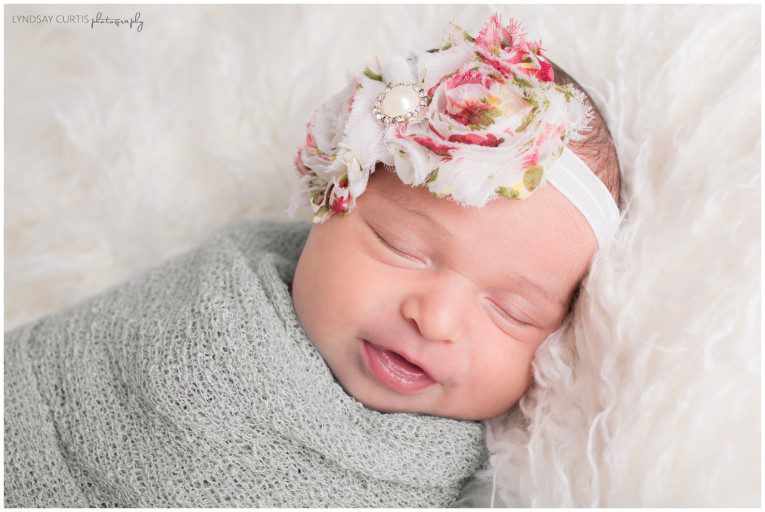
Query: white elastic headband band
(571,176)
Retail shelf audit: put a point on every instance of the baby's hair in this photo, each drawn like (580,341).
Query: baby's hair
(597,148)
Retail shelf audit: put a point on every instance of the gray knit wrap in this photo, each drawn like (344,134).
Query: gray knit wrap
(193,384)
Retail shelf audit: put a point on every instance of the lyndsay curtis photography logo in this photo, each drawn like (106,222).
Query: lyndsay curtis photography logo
(85,19)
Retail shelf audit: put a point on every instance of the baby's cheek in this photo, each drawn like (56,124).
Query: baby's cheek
(499,371)
(349,284)
(376,290)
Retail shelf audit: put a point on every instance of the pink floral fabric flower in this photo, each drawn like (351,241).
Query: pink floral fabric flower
(494,121)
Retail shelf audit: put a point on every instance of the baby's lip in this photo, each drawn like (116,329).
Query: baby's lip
(422,365)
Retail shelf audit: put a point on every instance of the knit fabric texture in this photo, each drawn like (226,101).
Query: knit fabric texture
(193,384)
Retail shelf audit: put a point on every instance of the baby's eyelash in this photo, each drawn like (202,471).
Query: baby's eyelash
(510,317)
(397,251)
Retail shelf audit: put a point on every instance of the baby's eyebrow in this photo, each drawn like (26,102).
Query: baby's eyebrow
(407,204)
(540,289)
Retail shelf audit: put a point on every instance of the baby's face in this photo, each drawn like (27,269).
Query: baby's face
(450,288)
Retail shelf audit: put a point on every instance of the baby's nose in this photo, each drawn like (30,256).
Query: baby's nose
(437,306)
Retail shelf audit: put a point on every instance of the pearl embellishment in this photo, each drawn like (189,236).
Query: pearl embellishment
(400,103)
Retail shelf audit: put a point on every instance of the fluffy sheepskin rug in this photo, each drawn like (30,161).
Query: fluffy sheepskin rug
(125,147)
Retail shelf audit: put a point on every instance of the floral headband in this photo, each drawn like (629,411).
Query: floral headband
(477,119)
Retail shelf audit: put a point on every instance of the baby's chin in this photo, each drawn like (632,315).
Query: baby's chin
(375,396)
(427,403)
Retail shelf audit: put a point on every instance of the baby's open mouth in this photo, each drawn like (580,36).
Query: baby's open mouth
(395,371)
(403,363)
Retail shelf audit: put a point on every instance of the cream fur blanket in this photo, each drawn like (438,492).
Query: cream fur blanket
(123,148)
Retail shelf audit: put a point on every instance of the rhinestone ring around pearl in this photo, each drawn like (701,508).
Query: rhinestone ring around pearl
(400,103)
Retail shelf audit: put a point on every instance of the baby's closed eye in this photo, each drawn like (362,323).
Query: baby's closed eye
(394,249)
(502,311)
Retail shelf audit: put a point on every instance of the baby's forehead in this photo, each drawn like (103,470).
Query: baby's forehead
(544,214)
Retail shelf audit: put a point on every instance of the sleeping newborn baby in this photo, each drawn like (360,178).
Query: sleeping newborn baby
(459,196)
(436,290)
